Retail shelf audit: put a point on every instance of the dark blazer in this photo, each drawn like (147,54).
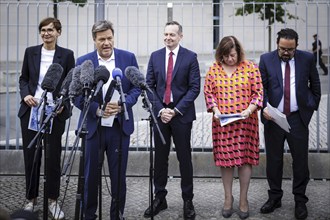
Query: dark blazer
(185,82)
(29,77)
(123,59)
(308,90)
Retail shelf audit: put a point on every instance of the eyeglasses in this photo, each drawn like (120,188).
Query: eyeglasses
(48,31)
(288,50)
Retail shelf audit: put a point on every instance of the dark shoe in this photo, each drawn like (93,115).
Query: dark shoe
(270,206)
(300,211)
(158,205)
(188,210)
(243,215)
(226,213)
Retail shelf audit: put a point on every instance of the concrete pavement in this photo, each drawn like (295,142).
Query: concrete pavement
(208,199)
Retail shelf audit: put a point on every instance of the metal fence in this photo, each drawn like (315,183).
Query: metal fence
(138,28)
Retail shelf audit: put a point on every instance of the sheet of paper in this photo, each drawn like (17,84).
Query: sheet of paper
(108,122)
(278,117)
(35,116)
(229,118)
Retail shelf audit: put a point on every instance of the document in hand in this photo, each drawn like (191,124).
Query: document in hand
(229,118)
(279,118)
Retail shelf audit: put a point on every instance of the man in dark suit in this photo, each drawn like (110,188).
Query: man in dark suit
(109,137)
(317,51)
(173,104)
(292,85)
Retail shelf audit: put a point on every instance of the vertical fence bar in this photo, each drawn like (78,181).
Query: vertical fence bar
(228,24)
(7,82)
(17,77)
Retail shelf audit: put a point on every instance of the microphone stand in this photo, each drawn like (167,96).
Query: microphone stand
(120,147)
(152,121)
(42,124)
(45,127)
(79,209)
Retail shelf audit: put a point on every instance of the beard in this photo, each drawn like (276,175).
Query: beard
(285,58)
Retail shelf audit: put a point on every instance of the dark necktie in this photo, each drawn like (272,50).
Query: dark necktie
(167,98)
(286,108)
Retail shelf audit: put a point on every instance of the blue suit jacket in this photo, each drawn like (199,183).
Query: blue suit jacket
(308,90)
(185,82)
(123,59)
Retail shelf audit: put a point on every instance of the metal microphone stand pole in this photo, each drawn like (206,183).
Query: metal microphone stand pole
(46,156)
(152,121)
(43,125)
(120,148)
(79,209)
(101,159)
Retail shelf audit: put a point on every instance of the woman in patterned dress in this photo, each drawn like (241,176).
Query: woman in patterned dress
(233,85)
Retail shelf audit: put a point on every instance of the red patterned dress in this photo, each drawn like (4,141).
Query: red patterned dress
(236,143)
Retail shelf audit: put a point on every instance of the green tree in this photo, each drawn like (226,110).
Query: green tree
(81,3)
(270,10)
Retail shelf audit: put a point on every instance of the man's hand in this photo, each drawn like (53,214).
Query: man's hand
(266,114)
(112,108)
(166,115)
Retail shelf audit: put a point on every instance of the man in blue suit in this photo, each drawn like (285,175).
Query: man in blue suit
(292,85)
(173,75)
(109,137)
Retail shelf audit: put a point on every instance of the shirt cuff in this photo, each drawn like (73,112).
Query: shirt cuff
(177,111)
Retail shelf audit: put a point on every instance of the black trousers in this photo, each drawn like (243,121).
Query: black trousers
(181,134)
(322,65)
(33,155)
(298,144)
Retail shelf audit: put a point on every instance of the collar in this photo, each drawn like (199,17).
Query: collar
(108,60)
(175,51)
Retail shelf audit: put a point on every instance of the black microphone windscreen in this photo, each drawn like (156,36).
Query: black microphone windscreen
(87,73)
(52,77)
(66,83)
(75,87)
(101,73)
(134,75)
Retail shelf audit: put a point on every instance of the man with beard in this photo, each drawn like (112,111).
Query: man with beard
(292,85)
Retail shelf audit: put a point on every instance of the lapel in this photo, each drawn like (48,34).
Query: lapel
(57,55)
(118,60)
(36,59)
(297,68)
(278,68)
(178,61)
(94,59)
(163,57)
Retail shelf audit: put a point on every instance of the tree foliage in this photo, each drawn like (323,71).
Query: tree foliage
(81,3)
(270,10)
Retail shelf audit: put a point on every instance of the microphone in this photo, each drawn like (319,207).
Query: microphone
(134,75)
(75,88)
(52,77)
(117,74)
(66,83)
(50,81)
(101,76)
(109,94)
(87,75)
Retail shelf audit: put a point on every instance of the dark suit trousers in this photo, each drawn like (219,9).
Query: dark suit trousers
(32,159)
(298,144)
(322,65)
(181,134)
(109,139)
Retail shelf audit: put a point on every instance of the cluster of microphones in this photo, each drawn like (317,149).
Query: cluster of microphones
(84,79)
